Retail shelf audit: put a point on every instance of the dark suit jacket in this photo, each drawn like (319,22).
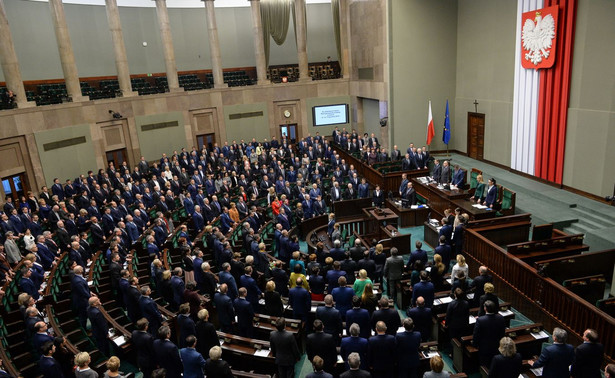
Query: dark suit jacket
(457,317)
(149,310)
(356,374)
(361,317)
(206,337)
(167,356)
(284,348)
(218,368)
(80,292)
(144,345)
(505,367)
(488,331)
(193,363)
(245,316)
(323,345)
(422,320)
(555,360)
(224,308)
(301,302)
(331,320)
(408,349)
(100,328)
(50,367)
(588,360)
(390,317)
(355,344)
(382,353)
(186,328)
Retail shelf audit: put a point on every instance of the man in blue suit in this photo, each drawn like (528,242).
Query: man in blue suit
(343,296)
(132,229)
(41,336)
(421,317)
(185,324)
(330,317)
(408,343)
(253,292)
(245,314)
(167,354)
(226,223)
(488,331)
(178,286)
(224,308)
(363,189)
(80,294)
(193,361)
(143,343)
(283,219)
(149,309)
(458,177)
(27,285)
(188,203)
(355,344)
(360,316)
(47,364)
(197,219)
(227,278)
(100,328)
(382,352)
(446,231)
(555,358)
(424,289)
(418,254)
(299,299)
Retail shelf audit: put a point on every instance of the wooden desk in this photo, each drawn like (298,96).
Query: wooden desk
(437,198)
(475,213)
(408,217)
(240,351)
(380,215)
(431,235)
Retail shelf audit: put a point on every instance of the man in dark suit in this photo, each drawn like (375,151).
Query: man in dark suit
(555,359)
(149,310)
(253,293)
(408,343)
(47,364)
(393,270)
(378,196)
(330,318)
(488,331)
(382,352)
(354,362)
(100,328)
(40,337)
(445,173)
(185,324)
(458,177)
(178,286)
(322,344)
(421,316)
(144,345)
(27,285)
(245,313)
(424,289)
(389,316)
(410,194)
(588,357)
(80,294)
(284,348)
(355,344)
(224,307)
(360,316)
(299,299)
(227,278)
(193,361)
(478,283)
(167,354)
(446,231)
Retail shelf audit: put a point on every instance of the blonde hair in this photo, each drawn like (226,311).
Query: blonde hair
(296,255)
(362,274)
(202,314)
(489,288)
(436,364)
(215,353)
(113,364)
(166,275)
(507,347)
(379,248)
(437,259)
(82,359)
(479,179)
(461,260)
(270,286)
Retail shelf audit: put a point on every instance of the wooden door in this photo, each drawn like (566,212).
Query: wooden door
(15,186)
(476,135)
(290,130)
(117,157)
(206,140)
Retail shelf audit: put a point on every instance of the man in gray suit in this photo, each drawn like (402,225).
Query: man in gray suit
(393,270)
(445,175)
(284,348)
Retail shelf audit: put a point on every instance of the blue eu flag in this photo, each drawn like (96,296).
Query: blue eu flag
(446,137)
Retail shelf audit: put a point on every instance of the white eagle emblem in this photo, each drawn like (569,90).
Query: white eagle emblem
(538,37)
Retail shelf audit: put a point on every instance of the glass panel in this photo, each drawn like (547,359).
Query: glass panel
(17,183)
(7,187)
(284,130)
(200,141)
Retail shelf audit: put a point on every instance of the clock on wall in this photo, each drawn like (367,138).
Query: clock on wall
(287,113)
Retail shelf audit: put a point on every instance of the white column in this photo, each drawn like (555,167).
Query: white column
(259,44)
(121,61)
(67,57)
(301,40)
(214,45)
(167,45)
(10,64)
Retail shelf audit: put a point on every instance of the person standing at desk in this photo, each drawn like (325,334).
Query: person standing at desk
(492,193)
(410,194)
(445,174)
(555,359)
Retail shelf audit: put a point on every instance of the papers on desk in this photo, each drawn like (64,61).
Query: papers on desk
(261,301)
(537,372)
(470,296)
(340,360)
(540,335)
(262,353)
(479,206)
(344,332)
(90,283)
(428,269)
(471,320)
(119,341)
(449,280)
(313,309)
(443,300)
(401,329)
(430,353)
(506,313)
(414,207)
(221,342)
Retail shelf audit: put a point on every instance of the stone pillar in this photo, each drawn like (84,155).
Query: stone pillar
(121,61)
(10,64)
(301,40)
(214,45)
(345,38)
(259,44)
(67,57)
(167,45)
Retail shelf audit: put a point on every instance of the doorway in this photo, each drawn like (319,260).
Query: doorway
(476,135)
(15,186)
(206,140)
(117,157)
(290,130)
